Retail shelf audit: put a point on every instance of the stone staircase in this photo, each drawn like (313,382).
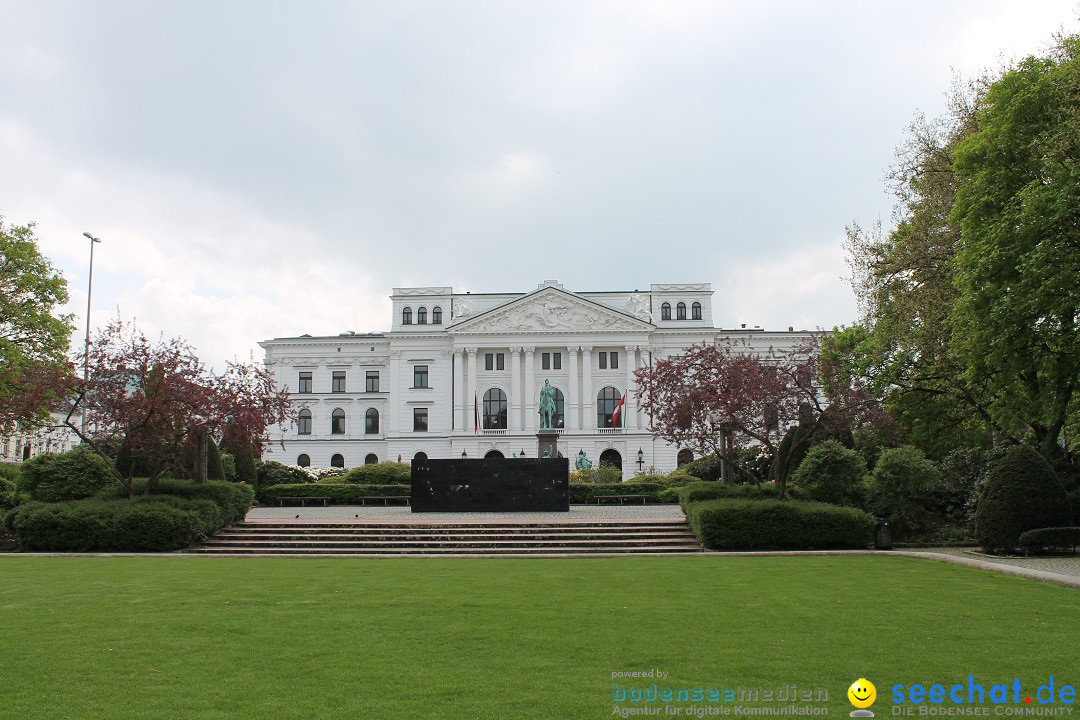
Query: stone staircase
(502,538)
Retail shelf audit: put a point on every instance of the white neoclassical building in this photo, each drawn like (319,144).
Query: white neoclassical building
(459,375)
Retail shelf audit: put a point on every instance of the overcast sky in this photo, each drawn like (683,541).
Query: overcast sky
(265,169)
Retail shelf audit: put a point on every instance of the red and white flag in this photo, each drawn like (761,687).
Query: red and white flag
(618,409)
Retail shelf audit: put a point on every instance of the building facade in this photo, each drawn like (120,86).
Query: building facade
(459,375)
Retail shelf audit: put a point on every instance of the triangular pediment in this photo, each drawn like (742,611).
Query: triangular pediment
(551,309)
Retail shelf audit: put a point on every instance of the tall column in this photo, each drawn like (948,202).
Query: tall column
(572,411)
(396,402)
(588,397)
(459,389)
(470,392)
(515,389)
(531,421)
(630,408)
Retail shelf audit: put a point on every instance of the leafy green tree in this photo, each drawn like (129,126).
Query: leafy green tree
(902,488)
(830,473)
(33,336)
(1018,267)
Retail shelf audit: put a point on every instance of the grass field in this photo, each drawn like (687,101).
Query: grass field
(197,638)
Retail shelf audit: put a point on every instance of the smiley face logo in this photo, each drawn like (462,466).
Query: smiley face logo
(862,693)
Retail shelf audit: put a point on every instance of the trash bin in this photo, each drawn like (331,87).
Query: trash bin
(882,535)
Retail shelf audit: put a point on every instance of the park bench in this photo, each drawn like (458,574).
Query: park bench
(621,498)
(292,500)
(386,499)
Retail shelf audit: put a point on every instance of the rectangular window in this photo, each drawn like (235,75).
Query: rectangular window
(489,361)
(556,361)
(337,382)
(500,361)
(304,385)
(614,360)
(419,419)
(603,360)
(372,381)
(420,377)
(545,361)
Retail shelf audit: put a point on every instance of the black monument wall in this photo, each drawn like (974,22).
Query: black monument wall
(491,485)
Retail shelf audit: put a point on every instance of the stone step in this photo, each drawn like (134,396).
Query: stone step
(421,542)
(617,536)
(447,550)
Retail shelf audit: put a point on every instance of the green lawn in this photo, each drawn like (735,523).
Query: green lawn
(194,637)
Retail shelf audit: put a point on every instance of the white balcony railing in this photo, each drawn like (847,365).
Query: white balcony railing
(609,431)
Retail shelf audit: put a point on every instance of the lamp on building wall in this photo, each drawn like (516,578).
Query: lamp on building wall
(640,459)
(522,452)
(464,455)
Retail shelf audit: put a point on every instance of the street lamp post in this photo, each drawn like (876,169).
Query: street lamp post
(86,346)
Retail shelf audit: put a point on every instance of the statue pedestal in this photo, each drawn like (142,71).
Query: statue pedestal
(547,440)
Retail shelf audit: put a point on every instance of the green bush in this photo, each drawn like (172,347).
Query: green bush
(739,524)
(228,466)
(963,471)
(154,524)
(675,479)
(9,474)
(715,490)
(598,475)
(233,499)
(583,493)
(1056,538)
(901,489)
(72,475)
(829,473)
(384,473)
(274,473)
(1022,493)
(339,493)
(707,468)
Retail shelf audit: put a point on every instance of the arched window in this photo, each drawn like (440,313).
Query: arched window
(303,460)
(337,460)
(421,316)
(494,409)
(685,456)
(371,422)
(493,455)
(406,316)
(371,459)
(665,311)
(612,458)
(421,456)
(695,311)
(337,422)
(303,423)
(606,402)
(436,315)
(560,419)
(680,311)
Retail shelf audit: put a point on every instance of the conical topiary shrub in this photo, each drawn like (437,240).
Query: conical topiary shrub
(1021,493)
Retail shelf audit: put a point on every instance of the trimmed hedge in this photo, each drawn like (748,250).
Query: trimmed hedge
(1022,493)
(339,493)
(72,475)
(233,499)
(1057,538)
(715,490)
(384,473)
(740,524)
(146,524)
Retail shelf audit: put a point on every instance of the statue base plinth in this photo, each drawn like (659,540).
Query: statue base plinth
(547,441)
